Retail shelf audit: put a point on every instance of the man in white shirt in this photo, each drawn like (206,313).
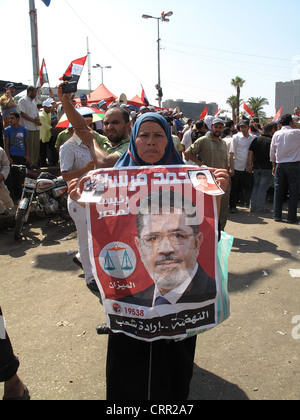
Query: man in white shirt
(241,179)
(285,156)
(191,135)
(30,119)
(75,161)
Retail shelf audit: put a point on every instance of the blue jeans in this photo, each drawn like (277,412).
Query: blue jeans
(262,182)
(287,175)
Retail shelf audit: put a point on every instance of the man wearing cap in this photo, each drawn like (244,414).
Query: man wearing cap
(143,110)
(7,103)
(83,100)
(212,151)
(46,133)
(241,178)
(103,105)
(30,119)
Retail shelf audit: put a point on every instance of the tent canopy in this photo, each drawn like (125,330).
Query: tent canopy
(99,94)
(136,101)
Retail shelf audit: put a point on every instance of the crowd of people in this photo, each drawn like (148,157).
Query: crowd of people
(29,136)
(246,158)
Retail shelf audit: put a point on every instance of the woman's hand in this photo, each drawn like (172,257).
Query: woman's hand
(61,96)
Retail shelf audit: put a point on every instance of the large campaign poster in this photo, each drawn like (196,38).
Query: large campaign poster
(153,234)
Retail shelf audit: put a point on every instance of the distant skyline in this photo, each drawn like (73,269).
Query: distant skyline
(202,48)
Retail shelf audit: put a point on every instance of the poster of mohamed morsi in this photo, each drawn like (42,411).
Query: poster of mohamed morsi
(153,246)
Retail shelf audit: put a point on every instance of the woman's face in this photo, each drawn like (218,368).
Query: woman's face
(151,142)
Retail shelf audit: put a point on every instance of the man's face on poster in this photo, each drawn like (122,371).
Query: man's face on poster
(201,178)
(169,249)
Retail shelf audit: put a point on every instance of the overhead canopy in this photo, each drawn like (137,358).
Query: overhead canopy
(18,86)
(99,94)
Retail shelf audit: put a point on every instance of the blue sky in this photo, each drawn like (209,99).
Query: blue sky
(204,45)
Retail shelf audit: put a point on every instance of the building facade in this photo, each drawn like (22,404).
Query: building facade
(288,96)
(191,109)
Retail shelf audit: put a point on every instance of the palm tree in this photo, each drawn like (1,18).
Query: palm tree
(231,101)
(238,83)
(257,104)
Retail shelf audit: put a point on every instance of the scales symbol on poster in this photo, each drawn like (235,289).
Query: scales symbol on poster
(118,260)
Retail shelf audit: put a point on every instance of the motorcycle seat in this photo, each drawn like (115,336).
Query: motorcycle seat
(46,175)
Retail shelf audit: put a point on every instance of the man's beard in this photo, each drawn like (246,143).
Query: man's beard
(117,138)
(168,278)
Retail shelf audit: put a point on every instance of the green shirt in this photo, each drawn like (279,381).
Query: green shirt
(45,130)
(63,137)
(212,152)
(107,147)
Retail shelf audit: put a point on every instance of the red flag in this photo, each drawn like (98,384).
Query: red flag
(218,112)
(204,113)
(43,75)
(75,68)
(144,97)
(248,110)
(278,115)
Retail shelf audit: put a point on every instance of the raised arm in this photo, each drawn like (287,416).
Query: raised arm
(85,133)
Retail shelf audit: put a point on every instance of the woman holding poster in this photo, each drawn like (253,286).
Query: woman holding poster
(150,351)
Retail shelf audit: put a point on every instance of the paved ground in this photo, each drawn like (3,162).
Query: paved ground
(51,316)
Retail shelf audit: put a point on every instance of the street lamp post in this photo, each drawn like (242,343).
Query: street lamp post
(164,18)
(97,66)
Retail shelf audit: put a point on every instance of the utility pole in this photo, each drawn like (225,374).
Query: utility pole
(163,18)
(34,41)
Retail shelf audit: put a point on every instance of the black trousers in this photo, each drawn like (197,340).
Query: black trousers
(16,178)
(241,183)
(138,370)
(9,363)
(48,150)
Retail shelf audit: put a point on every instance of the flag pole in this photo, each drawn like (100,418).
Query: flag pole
(49,83)
(89,67)
(34,41)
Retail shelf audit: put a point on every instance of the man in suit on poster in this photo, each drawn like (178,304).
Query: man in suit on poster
(169,241)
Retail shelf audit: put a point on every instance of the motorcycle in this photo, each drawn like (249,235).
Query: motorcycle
(49,193)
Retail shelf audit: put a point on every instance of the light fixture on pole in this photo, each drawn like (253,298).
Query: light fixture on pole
(164,18)
(97,66)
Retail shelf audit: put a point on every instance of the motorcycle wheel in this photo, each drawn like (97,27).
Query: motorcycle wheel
(19,223)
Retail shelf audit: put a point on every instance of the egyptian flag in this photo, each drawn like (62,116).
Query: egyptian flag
(47,2)
(74,70)
(43,76)
(248,111)
(278,115)
(218,112)
(144,97)
(204,113)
